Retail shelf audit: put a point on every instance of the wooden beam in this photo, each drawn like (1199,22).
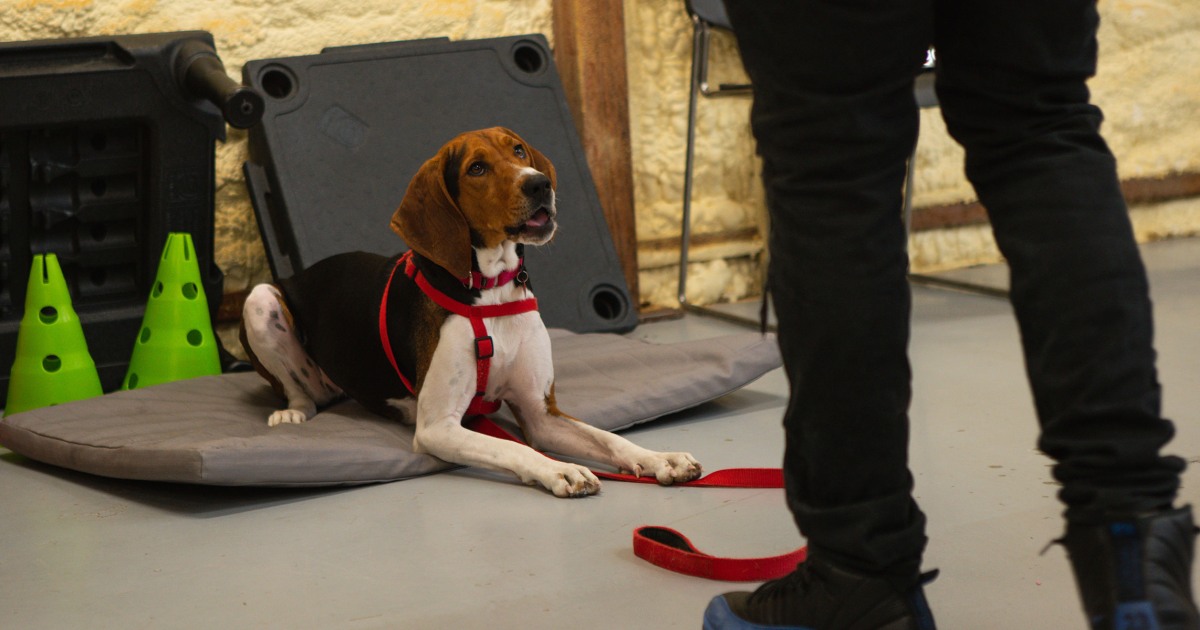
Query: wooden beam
(1137,191)
(948,216)
(701,239)
(589,50)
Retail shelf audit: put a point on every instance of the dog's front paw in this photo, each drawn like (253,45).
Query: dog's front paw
(668,468)
(570,480)
(286,416)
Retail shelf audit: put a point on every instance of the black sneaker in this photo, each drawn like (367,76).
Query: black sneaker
(821,596)
(1136,573)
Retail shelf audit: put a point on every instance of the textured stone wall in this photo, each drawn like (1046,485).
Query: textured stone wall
(1147,83)
(1149,86)
(256,29)
(727,200)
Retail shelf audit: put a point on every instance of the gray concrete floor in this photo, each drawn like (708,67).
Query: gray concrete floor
(475,550)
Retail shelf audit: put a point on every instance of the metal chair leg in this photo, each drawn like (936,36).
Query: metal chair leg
(700,39)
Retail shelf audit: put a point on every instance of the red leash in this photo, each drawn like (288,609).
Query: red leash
(671,550)
(729,478)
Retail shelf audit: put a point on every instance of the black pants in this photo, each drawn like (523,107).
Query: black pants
(835,120)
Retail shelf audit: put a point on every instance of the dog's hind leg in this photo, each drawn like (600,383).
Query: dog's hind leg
(269,334)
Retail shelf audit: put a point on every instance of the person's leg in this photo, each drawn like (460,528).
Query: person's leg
(1012,88)
(1011,81)
(835,121)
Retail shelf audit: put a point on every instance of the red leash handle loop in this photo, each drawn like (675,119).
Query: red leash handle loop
(671,550)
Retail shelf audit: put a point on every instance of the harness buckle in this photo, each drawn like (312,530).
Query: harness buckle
(484,348)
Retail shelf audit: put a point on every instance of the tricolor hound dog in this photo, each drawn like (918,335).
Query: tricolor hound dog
(451,324)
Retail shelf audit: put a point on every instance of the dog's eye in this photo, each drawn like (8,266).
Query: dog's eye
(519,151)
(476,169)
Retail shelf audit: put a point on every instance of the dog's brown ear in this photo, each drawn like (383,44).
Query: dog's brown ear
(539,161)
(431,223)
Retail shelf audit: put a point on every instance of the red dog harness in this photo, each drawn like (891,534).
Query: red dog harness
(484,347)
(661,546)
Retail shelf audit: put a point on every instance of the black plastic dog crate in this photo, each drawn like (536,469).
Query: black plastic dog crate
(106,146)
(345,130)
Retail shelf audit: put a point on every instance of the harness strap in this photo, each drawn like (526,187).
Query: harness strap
(458,308)
(484,346)
(383,330)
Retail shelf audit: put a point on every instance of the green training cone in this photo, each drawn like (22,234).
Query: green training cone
(176,340)
(52,365)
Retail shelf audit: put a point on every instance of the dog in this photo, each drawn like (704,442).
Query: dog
(446,330)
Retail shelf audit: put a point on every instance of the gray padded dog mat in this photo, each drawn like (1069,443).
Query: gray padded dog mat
(213,430)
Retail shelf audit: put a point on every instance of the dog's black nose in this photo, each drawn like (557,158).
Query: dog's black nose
(536,185)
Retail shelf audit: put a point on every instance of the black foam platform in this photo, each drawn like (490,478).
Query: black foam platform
(106,146)
(345,130)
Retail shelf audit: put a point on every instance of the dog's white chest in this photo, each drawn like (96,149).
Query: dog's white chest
(521,352)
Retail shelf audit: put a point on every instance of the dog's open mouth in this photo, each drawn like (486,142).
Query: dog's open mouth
(539,225)
(538,220)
